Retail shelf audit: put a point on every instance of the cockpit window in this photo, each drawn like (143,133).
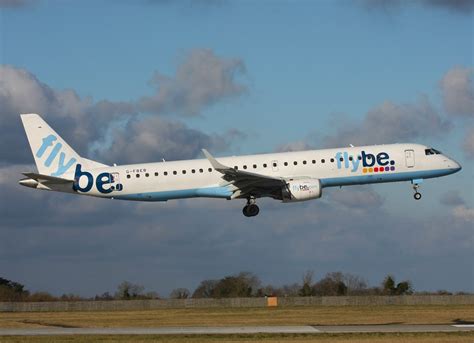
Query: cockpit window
(432,151)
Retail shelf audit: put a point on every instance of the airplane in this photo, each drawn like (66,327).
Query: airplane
(287,176)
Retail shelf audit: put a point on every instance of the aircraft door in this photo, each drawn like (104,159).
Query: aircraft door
(115,177)
(410,158)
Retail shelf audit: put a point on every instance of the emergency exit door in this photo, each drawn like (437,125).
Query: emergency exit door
(410,158)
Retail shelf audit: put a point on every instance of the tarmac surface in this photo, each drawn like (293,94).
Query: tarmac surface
(235,330)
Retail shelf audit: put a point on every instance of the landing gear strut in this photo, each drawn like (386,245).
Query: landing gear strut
(417,194)
(251,209)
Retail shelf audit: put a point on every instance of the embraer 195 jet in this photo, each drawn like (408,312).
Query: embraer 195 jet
(287,176)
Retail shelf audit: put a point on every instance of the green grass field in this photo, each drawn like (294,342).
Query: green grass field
(457,337)
(315,315)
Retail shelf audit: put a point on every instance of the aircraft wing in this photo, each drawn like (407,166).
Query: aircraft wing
(248,183)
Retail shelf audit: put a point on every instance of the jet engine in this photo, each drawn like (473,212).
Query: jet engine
(301,190)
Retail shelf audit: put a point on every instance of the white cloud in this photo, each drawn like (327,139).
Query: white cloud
(391,123)
(201,80)
(464,213)
(458,92)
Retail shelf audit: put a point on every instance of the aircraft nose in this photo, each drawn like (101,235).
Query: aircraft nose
(455,166)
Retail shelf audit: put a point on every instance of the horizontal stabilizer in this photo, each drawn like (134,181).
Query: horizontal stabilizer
(52,179)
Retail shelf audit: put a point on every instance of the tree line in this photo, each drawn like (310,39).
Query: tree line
(243,284)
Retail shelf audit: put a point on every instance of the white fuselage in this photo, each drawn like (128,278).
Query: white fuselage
(163,181)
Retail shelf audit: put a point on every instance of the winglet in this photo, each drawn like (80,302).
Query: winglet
(215,164)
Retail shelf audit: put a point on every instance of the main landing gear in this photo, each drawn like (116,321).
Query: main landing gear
(251,209)
(417,194)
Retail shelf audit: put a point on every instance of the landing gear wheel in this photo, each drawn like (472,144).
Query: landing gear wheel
(417,194)
(251,209)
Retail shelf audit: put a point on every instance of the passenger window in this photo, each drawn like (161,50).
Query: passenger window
(184,171)
(236,167)
(323,160)
(175,172)
(274,164)
(295,163)
(254,166)
(341,159)
(166,173)
(264,165)
(201,170)
(304,162)
(128,176)
(332,159)
(350,158)
(286,164)
(245,167)
(359,157)
(313,161)
(146,174)
(156,173)
(210,170)
(193,171)
(138,175)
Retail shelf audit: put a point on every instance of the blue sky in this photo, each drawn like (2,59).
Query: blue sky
(303,71)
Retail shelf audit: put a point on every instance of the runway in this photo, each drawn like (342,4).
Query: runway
(308,329)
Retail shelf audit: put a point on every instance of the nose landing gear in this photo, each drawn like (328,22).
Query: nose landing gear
(417,194)
(251,209)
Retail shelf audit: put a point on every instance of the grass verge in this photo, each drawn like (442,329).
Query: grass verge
(322,315)
(442,337)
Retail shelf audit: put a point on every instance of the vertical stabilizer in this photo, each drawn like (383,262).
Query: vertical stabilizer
(53,156)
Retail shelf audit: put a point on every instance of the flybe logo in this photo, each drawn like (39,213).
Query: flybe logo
(370,163)
(62,165)
(104,181)
(301,188)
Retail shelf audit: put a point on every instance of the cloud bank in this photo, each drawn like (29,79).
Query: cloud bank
(203,79)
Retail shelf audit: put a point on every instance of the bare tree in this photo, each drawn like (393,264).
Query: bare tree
(331,284)
(179,293)
(356,285)
(205,289)
(127,290)
(306,290)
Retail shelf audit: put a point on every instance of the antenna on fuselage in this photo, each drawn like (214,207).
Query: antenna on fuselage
(351,145)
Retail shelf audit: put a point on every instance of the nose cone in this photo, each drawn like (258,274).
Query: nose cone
(454,166)
(457,167)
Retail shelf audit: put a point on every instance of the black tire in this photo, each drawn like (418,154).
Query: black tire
(417,196)
(253,210)
(245,211)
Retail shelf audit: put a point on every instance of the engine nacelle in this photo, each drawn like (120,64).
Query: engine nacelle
(301,190)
